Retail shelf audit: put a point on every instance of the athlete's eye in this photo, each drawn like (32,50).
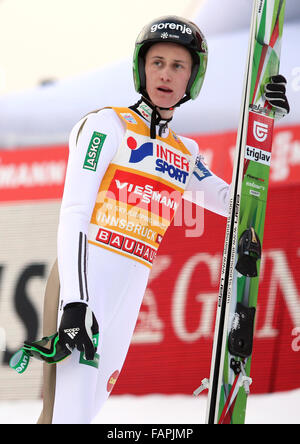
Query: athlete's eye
(178,66)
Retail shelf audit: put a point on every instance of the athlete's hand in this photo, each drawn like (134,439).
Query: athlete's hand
(275,95)
(77,327)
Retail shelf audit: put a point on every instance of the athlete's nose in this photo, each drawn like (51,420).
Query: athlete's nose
(165,74)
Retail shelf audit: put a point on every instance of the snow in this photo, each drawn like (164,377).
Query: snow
(278,408)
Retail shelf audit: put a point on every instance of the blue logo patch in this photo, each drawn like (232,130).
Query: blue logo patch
(140,153)
(201,172)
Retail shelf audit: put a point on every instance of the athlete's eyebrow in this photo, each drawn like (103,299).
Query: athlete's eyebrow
(174,60)
(180,61)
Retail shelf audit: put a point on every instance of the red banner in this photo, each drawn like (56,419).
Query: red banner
(32,174)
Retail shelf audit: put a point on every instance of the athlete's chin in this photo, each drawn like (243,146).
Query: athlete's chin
(165,102)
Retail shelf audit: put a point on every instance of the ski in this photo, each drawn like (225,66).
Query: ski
(229,383)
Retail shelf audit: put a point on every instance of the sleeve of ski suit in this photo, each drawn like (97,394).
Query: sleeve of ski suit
(205,188)
(80,192)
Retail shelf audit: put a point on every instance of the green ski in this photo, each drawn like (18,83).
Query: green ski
(230,381)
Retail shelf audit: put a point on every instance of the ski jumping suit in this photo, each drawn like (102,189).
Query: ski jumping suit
(121,192)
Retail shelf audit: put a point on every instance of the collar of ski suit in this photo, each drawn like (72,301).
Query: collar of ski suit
(151,113)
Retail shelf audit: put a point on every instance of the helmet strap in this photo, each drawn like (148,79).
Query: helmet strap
(155,118)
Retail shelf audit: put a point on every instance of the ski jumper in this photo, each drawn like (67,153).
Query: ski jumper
(122,190)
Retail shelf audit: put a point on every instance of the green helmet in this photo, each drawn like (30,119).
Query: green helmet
(176,30)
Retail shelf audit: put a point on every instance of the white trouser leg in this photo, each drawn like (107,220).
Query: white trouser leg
(116,289)
(74,391)
(116,339)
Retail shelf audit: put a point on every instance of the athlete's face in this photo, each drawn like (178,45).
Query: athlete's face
(168,68)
